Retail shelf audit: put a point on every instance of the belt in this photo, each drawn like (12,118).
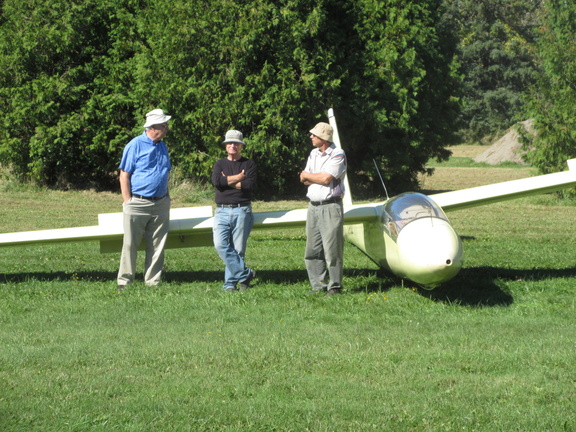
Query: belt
(328,201)
(241,204)
(149,198)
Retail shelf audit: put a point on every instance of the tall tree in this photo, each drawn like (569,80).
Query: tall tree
(497,58)
(553,99)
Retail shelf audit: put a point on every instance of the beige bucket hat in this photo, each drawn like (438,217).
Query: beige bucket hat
(323,131)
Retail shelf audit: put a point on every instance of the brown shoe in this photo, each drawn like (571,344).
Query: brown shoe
(333,291)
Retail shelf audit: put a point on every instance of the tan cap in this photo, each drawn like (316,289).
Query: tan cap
(323,131)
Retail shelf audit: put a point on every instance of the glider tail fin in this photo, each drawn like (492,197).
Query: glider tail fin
(347,200)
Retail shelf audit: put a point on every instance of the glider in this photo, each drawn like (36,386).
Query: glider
(408,235)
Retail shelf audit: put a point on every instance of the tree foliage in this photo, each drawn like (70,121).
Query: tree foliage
(76,78)
(64,91)
(553,99)
(498,60)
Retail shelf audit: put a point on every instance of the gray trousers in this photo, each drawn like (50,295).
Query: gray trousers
(324,256)
(148,220)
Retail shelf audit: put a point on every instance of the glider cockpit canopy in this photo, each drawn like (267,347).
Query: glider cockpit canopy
(404,208)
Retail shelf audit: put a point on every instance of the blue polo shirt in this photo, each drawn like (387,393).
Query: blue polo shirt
(149,165)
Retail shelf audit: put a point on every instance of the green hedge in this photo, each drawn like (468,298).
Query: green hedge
(77,77)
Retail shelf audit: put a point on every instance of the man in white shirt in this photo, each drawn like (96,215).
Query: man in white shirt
(324,174)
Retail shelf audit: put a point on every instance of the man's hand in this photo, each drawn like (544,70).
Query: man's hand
(235,181)
(125,185)
(321,178)
(304,179)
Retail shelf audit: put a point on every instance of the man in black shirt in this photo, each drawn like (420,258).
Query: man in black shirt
(234,178)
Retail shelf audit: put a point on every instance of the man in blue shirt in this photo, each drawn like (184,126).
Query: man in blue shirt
(144,172)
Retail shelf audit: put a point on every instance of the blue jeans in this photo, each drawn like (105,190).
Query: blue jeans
(231,229)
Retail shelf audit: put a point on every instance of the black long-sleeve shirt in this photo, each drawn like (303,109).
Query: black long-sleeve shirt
(229,194)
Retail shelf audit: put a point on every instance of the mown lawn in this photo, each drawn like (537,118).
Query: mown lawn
(492,350)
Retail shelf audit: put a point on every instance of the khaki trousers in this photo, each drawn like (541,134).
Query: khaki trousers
(148,220)
(324,255)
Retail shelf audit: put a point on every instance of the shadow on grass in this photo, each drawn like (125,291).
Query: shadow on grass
(286,277)
(371,280)
(279,277)
(477,286)
(193,276)
(94,276)
(265,276)
(472,287)
(269,276)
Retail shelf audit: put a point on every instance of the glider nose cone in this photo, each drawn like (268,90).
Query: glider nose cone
(430,251)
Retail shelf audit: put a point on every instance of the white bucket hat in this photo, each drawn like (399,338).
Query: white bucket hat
(323,131)
(234,136)
(155,117)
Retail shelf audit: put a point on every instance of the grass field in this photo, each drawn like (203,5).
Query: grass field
(492,350)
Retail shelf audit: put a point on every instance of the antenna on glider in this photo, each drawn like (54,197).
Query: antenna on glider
(381,179)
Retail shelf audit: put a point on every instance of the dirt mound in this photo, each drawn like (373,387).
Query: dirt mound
(508,148)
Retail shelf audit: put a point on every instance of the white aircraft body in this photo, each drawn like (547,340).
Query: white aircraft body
(408,235)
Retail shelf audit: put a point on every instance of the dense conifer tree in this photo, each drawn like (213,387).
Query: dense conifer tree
(497,58)
(76,78)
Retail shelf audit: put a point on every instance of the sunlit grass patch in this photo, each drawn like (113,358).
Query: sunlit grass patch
(491,350)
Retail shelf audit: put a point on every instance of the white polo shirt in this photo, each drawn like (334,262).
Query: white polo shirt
(331,161)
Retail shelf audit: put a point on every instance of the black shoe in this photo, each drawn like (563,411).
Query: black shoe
(244,285)
(334,291)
